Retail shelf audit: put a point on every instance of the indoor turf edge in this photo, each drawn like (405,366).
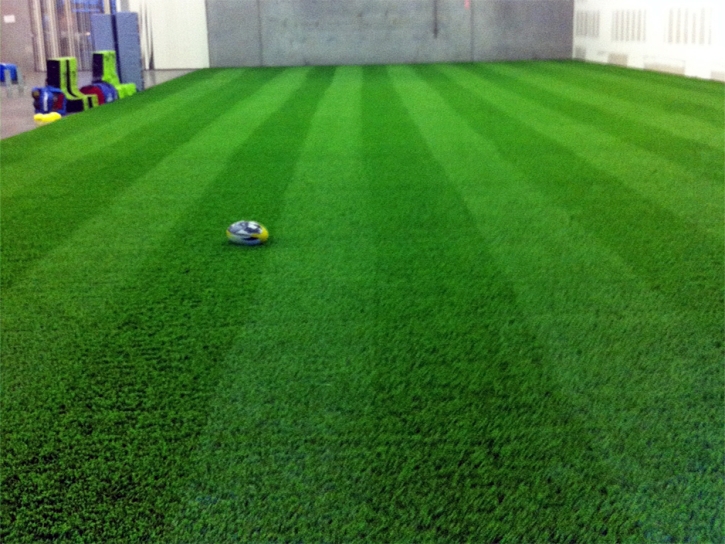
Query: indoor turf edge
(490,310)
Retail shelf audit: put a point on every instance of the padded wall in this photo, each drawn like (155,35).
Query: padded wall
(102,32)
(129,49)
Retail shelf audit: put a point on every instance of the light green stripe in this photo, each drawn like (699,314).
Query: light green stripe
(75,280)
(675,123)
(644,81)
(614,345)
(319,275)
(107,133)
(652,176)
(535,242)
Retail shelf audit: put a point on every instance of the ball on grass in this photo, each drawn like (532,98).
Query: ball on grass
(248,233)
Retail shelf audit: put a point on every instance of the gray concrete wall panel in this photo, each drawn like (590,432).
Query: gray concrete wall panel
(234,37)
(523,29)
(363,31)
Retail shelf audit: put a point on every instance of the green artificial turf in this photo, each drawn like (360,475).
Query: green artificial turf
(490,310)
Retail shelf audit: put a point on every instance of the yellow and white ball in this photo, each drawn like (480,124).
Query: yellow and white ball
(248,233)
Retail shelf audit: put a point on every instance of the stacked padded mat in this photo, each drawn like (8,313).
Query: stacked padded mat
(63,75)
(104,71)
(61,93)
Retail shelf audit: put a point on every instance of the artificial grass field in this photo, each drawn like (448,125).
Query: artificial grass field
(490,310)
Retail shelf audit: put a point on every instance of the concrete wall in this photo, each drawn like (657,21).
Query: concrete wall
(523,29)
(187,34)
(16,36)
(685,37)
(298,32)
(364,31)
(234,32)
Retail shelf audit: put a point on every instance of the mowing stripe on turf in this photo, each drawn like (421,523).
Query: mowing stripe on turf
(702,101)
(628,117)
(693,97)
(274,456)
(122,124)
(703,159)
(84,187)
(87,345)
(467,413)
(597,193)
(448,337)
(109,242)
(694,198)
(624,354)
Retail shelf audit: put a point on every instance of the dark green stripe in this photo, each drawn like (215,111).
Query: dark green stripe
(645,88)
(409,391)
(464,414)
(703,161)
(621,353)
(114,432)
(673,256)
(82,188)
(279,453)
(690,88)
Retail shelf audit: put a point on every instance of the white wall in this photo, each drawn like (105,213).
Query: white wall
(173,33)
(682,37)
